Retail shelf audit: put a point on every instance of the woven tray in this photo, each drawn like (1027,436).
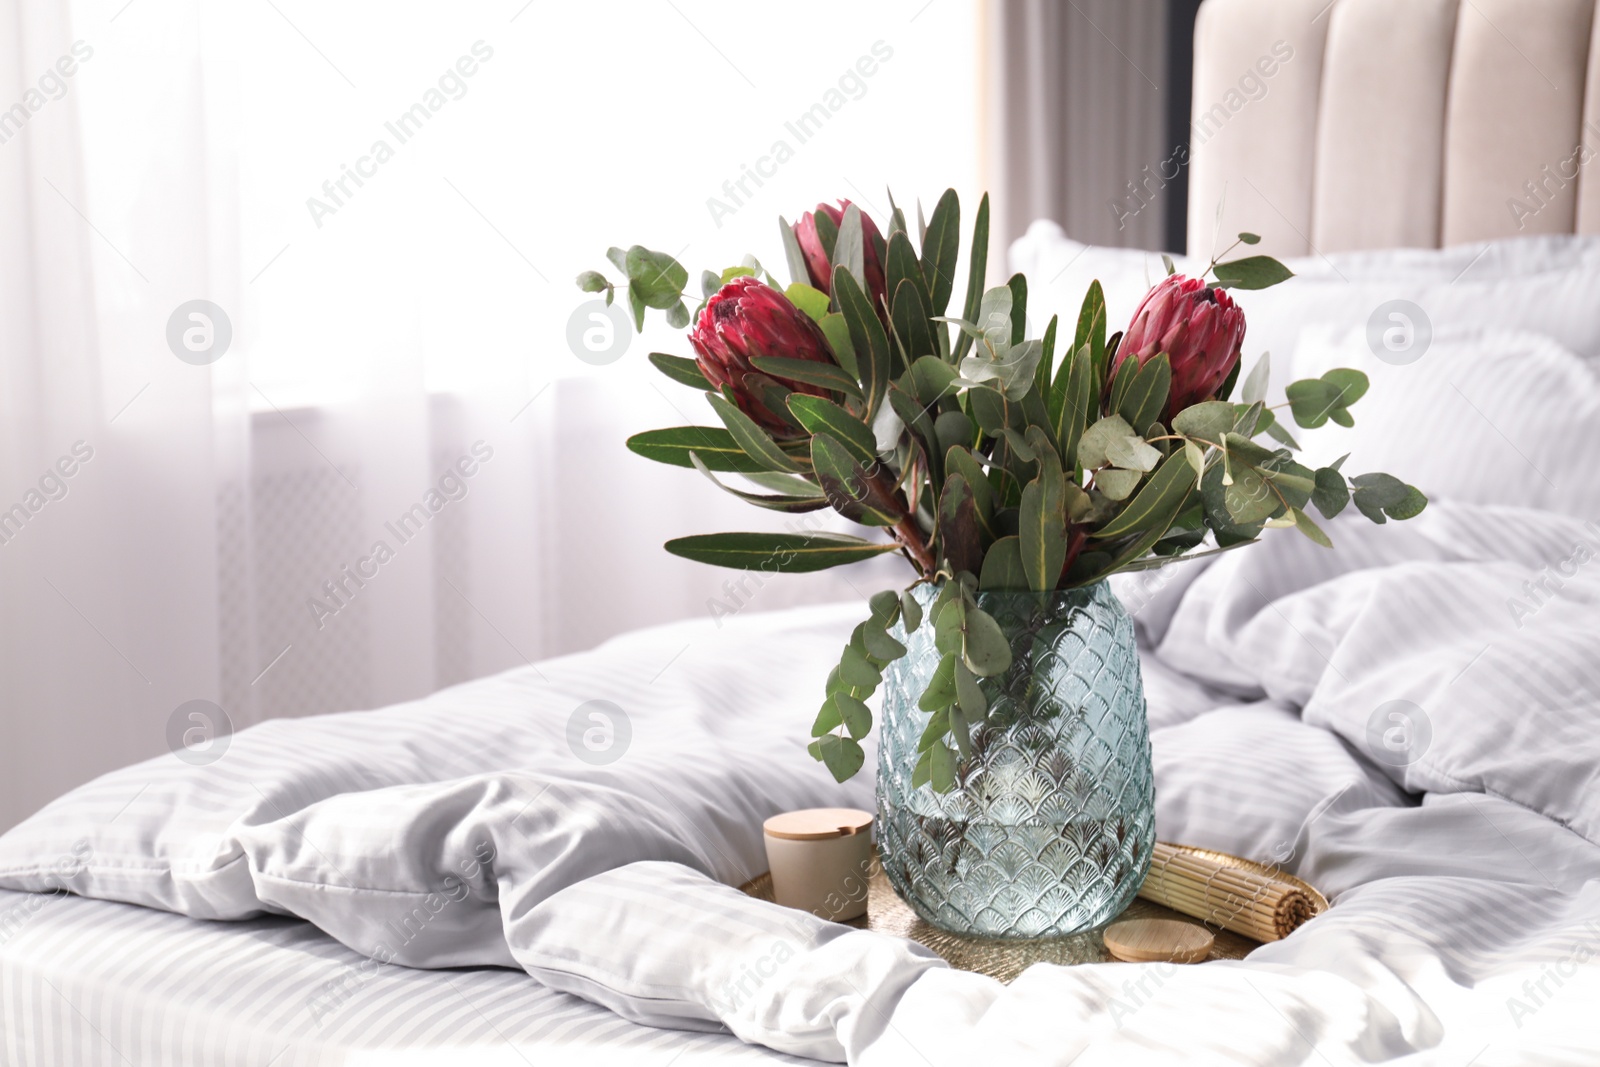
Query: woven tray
(1004,960)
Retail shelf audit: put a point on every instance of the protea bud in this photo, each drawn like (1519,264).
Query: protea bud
(818,264)
(1200,329)
(745,319)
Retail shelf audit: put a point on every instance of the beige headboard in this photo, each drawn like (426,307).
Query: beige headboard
(1382,123)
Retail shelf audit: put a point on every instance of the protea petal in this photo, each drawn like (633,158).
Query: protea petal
(748,318)
(1200,329)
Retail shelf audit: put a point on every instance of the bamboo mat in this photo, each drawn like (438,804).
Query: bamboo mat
(1222,906)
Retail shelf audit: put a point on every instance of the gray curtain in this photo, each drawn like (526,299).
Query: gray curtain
(1087,107)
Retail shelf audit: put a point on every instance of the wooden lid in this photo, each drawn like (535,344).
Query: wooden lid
(1149,940)
(818,824)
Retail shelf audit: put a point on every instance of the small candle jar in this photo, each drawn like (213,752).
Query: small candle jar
(821,860)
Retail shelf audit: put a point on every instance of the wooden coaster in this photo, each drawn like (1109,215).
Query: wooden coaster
(1149,940)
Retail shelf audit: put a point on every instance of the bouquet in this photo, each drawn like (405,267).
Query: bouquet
(989,459)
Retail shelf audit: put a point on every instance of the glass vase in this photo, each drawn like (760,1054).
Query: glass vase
(1049,829)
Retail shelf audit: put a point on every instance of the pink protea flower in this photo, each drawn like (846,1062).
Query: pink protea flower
(1200,329)
(821,270)
(745,319)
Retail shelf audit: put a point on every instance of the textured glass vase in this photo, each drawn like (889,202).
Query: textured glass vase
(1050,827)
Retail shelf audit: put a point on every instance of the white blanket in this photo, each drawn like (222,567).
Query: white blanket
(468,828)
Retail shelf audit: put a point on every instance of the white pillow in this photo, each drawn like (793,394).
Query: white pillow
(1550,285)
(1485,416)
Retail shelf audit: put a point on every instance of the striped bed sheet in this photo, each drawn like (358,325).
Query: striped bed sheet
(95,982)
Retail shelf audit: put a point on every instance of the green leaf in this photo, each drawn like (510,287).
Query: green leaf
(1117,484)
(1255,384)
(867,338)
(1092,329)
(1252,272)
(931,380)
(820,415)
(1071,396)
(828,717)
(976,268)
(656,277)
(730,273)
(881,646)
(814,302)
(837,331)
(960,540)
(985,650)
(1097,439)
(915,417)
(885,606)
(1331,494)
(1018,284)
(1312,400)
(1410,507)
(858,671)
(1352,384)
(792,253)
(636,306)
(937,726)
(714,445)
(1002,567)
(954,428)
(940,248)
(1303,523)
(1122,377)
(1041,378)
(941,768)
(960,460)
(911,326)
(1146,397)
(681,370)
(923,774)
(959,731)
(755,441)
(1196,455)
(795,503)
(851,492)
(910,612)
(809,371)
(1131,453)
(901,265)
(856,715)
(618,258)
(678,315)
(827,233)
(849,248)
(592,281)
(941,691)
(778,553)
(1380,490)
(842,756)
(1043,530)
(969,695)
(1250,238)
(1249,499)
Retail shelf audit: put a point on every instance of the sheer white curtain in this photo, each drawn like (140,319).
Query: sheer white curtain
(399,372)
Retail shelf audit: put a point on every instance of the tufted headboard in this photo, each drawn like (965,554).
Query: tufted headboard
(1328,125)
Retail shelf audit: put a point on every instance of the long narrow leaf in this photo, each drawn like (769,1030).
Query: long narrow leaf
(714,445)
(940,248)
(783,553)
(755,441)
(976,270)
(867,338)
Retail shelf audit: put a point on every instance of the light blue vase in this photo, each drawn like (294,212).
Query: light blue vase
(1049,829)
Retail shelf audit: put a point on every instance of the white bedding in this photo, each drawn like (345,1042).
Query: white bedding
(1409,721)
(1449,912)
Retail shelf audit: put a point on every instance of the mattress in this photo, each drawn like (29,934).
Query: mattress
(91,981)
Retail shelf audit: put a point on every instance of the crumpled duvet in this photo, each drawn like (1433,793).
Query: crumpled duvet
(1409,722)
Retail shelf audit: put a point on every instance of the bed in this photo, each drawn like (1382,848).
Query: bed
(540,867)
